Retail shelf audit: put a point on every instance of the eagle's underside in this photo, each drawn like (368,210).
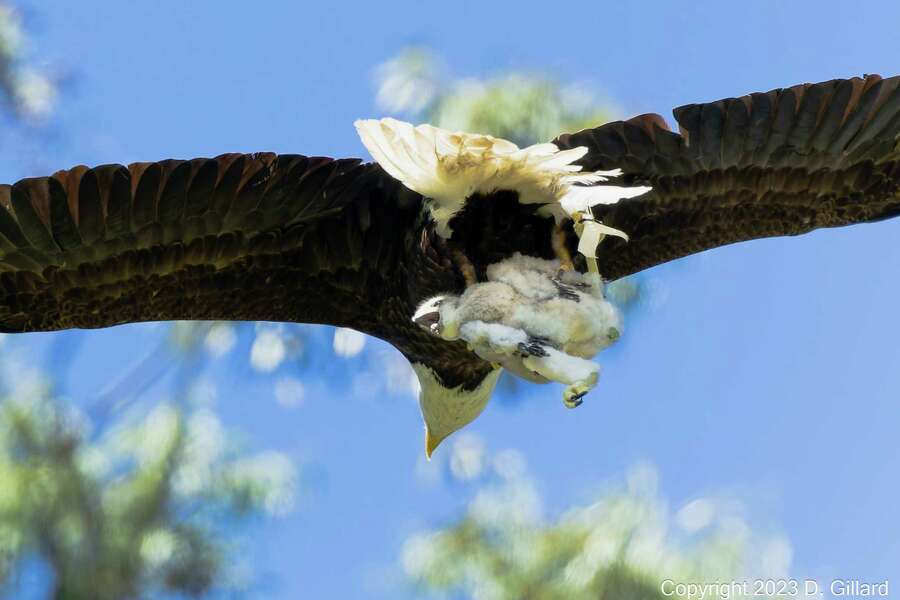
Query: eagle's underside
(294,238)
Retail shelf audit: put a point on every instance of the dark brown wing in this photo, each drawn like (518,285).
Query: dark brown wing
(239,237)
(768,164)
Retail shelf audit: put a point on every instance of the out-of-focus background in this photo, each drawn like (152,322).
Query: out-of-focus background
(745,426)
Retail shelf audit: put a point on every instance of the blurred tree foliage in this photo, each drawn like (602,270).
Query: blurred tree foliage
(28,92)
(147,505)
(523,108)
(621,547)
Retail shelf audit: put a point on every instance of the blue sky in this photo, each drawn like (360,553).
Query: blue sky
(767,371)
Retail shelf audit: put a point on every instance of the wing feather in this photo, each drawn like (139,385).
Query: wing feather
(767,164)
(233,237)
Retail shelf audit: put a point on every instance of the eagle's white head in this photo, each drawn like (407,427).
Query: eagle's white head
(446,410)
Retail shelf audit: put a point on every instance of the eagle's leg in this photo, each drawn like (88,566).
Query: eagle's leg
(464,265)
(454,250)
(558,242)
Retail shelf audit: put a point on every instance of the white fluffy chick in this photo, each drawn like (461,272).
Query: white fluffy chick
(527,319)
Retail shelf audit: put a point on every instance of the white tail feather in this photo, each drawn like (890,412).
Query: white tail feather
(449,167)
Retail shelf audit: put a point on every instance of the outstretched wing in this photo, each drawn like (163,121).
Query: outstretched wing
(239,237)
(768,164)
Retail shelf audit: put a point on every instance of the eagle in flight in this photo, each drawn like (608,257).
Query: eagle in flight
(466,252)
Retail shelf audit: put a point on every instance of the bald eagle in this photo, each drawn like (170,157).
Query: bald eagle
(444,230)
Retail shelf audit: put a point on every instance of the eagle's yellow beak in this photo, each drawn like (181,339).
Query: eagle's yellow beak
(431,442)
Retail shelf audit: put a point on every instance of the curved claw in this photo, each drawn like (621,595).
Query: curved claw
(574,401)
(533,347)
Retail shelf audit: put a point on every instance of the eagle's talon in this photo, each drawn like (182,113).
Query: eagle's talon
(575,402)
(532,348)
(565,290)
(573,395)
